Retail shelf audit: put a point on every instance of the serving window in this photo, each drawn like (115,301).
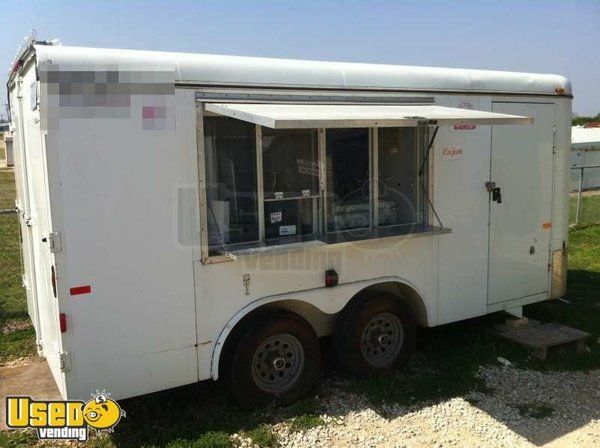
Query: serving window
(267,187)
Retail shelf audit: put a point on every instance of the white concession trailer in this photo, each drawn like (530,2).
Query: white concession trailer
(188,216)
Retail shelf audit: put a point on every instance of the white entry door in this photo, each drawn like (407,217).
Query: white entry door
(521,167)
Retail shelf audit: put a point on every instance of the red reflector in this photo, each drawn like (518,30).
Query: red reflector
(331,278)
(81,290)
(62,318)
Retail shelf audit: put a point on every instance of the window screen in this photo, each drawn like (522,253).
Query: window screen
(290,163)
(232,210)
(348,202)
(290,160)
(398,200)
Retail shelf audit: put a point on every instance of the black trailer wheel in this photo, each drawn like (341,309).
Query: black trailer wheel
(375,334)
(277,359)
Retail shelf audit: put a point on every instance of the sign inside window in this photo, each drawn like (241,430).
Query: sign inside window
(309,167)
(276,217)
(287,230)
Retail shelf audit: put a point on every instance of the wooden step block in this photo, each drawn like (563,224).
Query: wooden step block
(539,338)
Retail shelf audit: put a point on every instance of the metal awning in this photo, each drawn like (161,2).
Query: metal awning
(294,116)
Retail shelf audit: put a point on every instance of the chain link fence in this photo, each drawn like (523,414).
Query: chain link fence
(584,204)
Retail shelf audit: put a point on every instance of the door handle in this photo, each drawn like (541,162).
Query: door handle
(496,193)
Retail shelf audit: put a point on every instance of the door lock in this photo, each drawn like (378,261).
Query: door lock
(496,194)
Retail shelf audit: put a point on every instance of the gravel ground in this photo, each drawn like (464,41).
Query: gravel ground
(523,408)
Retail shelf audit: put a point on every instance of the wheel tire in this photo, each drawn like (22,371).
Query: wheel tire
(260,351)
(370,327)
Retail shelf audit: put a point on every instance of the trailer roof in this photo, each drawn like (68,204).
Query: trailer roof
(204,69)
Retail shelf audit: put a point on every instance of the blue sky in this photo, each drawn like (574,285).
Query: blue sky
(560,37)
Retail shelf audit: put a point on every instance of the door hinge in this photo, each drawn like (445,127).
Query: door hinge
(553,139)
(64,361)
(54,242)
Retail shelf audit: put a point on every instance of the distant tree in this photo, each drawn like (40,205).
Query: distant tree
(578,121)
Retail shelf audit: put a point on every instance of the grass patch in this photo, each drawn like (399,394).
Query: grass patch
(18,344)
(263,436)
(589,213)
(12,294)
(196,415)
(7,188)
(13,305)
(584,253)
(304,422)
(17,439)
(210,439)
(535,410)
(303,414)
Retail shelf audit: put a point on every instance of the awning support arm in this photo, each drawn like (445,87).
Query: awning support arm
(425,192)
(435,131)
(432,207)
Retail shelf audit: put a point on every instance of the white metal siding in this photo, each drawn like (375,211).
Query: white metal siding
(462,203)
(34,161)
(135,333)
(522,167)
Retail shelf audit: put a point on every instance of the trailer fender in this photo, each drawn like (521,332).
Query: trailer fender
(337,300)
